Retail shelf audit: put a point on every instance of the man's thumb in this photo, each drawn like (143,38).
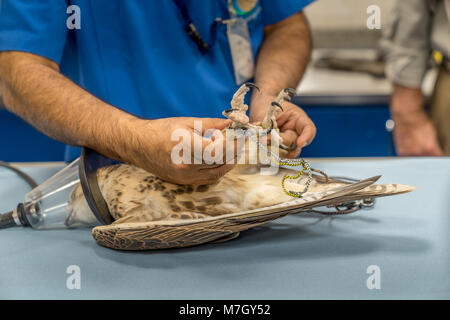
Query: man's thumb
(214,123)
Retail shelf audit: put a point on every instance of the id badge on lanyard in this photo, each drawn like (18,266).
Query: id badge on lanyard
(240,43)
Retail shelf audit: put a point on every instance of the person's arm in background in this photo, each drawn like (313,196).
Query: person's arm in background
(34,89)
(281,61)
(406,40)
(414,133)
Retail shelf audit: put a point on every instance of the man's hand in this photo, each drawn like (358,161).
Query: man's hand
(294,124)
(414,134)
(153,149)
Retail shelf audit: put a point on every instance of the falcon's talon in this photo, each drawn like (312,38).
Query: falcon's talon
(238,98)
(238,110)
(286,95)
(272,126)
(276,104)
(252,85)
(290,91)
(230,110)
(271,116)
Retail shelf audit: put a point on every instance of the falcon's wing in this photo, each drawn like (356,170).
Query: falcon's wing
(176,234)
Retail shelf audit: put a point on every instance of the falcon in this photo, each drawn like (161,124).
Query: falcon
(150,213)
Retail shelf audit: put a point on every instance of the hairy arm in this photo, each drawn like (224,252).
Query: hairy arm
(284,54)
(281,62)
(35,90)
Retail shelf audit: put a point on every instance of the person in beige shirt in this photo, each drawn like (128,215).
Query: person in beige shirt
(415,29)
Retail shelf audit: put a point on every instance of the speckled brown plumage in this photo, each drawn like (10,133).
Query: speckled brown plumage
(171,216)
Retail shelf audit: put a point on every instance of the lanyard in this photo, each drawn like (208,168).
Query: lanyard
(192,31)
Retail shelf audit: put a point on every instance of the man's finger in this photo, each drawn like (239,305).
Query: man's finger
(289,137)
(294,153)
(208,150)
(214,123)
(307,135)
(220,149)
(214,173)
(283,118)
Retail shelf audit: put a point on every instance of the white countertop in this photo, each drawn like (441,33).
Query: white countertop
(348,87)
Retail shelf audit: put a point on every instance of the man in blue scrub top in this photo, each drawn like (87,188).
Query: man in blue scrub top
(129,74)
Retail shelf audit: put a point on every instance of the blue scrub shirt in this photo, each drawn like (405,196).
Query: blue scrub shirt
(135,54)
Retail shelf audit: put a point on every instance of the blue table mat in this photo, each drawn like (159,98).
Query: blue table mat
(407,237)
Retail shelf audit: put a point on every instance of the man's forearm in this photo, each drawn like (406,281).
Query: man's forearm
(284,55)
(34,89)
(406,101)
(414,134)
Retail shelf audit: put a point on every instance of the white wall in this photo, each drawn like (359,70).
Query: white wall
(344,14)
(343,23)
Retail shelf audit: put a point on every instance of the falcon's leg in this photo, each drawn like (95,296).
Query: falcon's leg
(238,111)
(269,123)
